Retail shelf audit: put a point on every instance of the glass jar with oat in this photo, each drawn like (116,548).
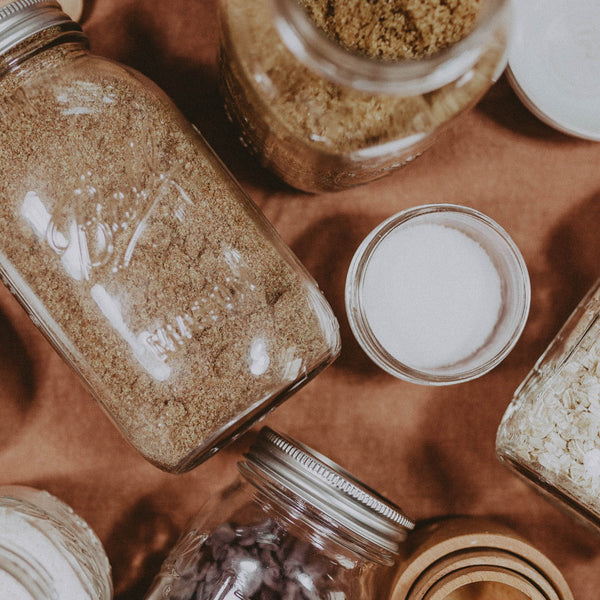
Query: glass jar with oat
(294,526)
(137,255)
(550,432)
(47,552)
(334,93)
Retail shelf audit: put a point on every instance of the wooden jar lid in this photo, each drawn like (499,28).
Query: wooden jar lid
(462,558)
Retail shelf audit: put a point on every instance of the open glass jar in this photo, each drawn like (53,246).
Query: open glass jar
(47,552)
(438,294)
(550,432)
(295,525)
(137,255)
(324,117)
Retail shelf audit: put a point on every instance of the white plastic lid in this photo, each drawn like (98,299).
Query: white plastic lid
(554,63)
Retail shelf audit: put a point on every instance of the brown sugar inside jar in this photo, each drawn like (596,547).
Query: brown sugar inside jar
(327,106)
(132,248)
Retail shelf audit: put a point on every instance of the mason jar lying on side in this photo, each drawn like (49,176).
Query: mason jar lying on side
(295,525)
(327,106)
(550,433)
(137,255)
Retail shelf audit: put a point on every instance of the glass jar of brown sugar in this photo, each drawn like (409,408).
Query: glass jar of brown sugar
(550,433)
(295,526)
(334,93)
(137,255)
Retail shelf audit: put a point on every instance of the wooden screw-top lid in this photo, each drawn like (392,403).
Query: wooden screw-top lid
(73,8)
(461,559)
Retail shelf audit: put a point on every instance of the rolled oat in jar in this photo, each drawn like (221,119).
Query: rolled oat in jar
(550,432)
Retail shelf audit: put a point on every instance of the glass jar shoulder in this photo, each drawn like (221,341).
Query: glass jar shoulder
(242,547)
(147,267)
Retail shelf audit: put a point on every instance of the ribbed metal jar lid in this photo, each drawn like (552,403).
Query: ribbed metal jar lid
(23,18)
(330,489)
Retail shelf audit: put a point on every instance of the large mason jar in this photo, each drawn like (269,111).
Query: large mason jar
(137,255)
(47,552)
(331,94)
(550,432)
(294,526)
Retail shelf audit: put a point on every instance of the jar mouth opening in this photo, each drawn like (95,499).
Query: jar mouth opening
(278,462)
(314,48)
(515,292)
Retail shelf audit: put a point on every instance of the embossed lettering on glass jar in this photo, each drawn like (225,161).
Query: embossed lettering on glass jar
(550,432)
(136,253)
(47,551)
(296,526)
(324,117)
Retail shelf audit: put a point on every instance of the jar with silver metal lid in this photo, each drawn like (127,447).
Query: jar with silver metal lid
(294,526)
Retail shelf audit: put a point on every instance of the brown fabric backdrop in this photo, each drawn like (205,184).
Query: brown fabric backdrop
(429,449)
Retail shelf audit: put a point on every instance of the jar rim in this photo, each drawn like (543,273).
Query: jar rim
(516,293)
(327,487)
(318,51)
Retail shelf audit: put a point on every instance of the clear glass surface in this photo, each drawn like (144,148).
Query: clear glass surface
(550,431)
(47,552)
(323,118)
(141,259)
(285,530)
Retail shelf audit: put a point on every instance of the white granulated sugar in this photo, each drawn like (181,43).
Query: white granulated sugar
(34,538)
(432,295)
(12,589)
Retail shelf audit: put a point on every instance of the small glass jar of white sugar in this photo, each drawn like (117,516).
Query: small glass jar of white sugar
(438,294)
(47,552)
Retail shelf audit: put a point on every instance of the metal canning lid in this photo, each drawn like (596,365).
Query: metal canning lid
(23,18)
(327,487)
(554,63)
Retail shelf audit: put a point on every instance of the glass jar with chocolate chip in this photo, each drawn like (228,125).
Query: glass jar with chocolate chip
(137,255)
(295,526)
(334,93)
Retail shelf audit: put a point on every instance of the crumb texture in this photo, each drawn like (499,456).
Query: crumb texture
(394,29)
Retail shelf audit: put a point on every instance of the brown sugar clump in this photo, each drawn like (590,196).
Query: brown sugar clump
(318,134)
(394,29)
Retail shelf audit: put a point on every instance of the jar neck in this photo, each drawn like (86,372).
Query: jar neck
(21,571)
(64,38)
(311,46)
(323,532)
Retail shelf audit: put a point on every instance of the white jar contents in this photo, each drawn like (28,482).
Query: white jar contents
(432,295)
(33,537)
(12,589)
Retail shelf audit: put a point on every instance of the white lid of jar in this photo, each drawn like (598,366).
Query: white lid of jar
(554,63)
